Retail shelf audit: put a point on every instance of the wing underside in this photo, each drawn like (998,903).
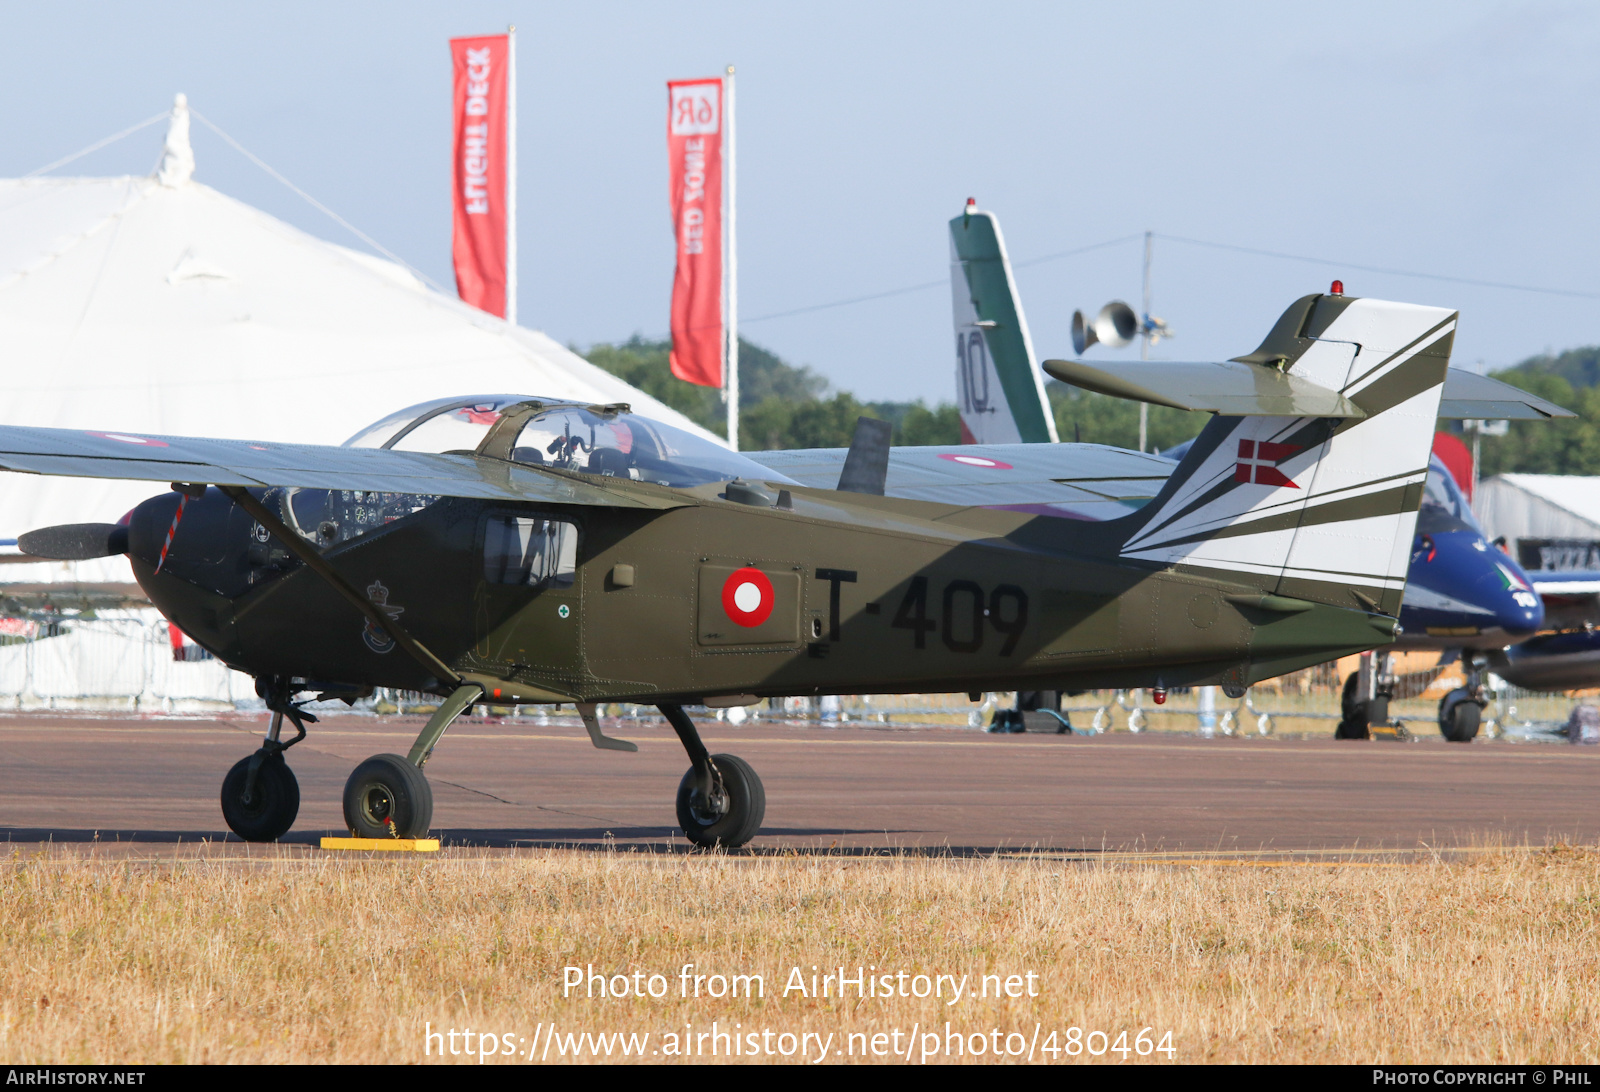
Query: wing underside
(72,453)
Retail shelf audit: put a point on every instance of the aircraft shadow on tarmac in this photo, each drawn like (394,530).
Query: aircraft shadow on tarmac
(582,839)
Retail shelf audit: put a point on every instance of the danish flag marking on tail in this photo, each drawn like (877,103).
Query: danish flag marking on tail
(1258,462)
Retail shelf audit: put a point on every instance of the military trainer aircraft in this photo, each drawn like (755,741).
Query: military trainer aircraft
(510,549)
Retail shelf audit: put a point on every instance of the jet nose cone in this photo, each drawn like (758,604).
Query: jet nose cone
(1518,609)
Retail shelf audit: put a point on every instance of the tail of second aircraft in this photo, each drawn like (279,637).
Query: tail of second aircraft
(998,386)
(1319,503)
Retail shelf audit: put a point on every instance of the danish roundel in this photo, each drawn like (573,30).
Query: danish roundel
(747,597)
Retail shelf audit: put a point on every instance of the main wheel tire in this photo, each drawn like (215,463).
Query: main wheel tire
(1355,723)
(1459,716)
(272,807)
(387,797)
(747,806)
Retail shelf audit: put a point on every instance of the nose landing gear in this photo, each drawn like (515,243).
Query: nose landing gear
(1461,710)
(260,795)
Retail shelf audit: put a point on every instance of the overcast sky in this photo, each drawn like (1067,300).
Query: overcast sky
(1455,139)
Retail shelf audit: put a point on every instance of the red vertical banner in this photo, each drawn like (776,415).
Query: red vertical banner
(694,152)
(478,169)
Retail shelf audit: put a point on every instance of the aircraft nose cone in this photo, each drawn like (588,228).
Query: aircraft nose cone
(1518,609)
(1462,591)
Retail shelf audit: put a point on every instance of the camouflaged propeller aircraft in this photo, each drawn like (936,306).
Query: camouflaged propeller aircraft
(515,550)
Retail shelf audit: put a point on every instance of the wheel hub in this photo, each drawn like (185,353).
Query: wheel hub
(708,809)
(378,805)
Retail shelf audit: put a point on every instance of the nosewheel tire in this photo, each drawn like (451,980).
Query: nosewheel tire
(730,822)
(271,808)
(387,797)
(1459,716)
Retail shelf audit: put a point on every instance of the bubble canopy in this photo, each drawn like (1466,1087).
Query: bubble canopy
(608,441)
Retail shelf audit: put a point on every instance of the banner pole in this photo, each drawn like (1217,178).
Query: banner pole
(511,175)
(731,368)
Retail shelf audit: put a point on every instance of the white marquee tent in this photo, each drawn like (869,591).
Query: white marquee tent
(1549,521)
(158,305)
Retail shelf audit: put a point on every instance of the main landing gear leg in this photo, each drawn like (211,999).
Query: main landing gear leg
(260,795)
(721,801)
(1365,703)
(387,796)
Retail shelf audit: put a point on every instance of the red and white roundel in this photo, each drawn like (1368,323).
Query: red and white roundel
(977,460)
(747,597)
(142,441)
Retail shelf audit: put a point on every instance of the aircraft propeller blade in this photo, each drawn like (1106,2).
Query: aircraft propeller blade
(75,541)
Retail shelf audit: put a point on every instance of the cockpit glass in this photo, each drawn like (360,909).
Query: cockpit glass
(1441,496)
(445,424)
(459,429)
(625,445)
(380,432)
(589,440)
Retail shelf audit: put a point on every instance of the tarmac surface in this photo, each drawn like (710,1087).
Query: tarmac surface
(149,785)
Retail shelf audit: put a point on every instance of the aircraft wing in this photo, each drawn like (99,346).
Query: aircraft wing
(1102,481)
(78,454)
(1561,584)
(1467,394)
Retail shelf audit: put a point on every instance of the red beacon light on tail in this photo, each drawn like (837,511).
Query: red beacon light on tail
(1337,289)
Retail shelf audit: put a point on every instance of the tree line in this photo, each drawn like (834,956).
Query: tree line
(783,405)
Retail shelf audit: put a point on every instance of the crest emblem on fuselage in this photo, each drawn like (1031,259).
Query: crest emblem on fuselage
(375,638)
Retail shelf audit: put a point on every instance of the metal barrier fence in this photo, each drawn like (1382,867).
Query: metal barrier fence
(119,661)
(124,661)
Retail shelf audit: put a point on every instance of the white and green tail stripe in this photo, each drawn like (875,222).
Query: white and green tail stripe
(1316,508)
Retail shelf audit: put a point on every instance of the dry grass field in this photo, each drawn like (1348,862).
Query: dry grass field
(1490,957)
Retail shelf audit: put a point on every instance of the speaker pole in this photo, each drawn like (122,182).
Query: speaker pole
(1144,343)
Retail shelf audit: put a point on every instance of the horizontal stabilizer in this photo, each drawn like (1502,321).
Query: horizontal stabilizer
(1232,389)
(1469,395)
(1244,389)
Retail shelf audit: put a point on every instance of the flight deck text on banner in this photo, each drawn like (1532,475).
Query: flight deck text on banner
(479,160)
(694,149)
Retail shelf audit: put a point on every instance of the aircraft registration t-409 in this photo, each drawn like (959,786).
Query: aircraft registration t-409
(507,549)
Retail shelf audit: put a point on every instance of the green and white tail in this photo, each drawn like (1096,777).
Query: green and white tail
(999,389)
(1322,506)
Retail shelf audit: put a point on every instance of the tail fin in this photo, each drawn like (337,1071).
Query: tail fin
(1315,508)
(998,386)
